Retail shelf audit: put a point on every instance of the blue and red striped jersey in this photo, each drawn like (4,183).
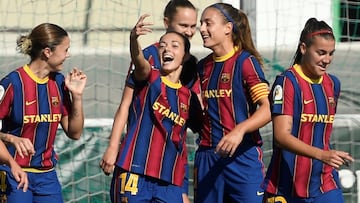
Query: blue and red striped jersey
(32,108)
(312,104)
(230,86)
(155,142)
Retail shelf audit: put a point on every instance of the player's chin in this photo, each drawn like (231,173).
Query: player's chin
(208,45)
(58,68)
(321,72)
(169,67)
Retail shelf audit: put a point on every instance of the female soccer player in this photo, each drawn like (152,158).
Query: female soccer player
(152,157)
(303,167)
(180,16)
(34,99)
(235,99)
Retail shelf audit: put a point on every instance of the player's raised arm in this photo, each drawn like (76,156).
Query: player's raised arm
(142,66)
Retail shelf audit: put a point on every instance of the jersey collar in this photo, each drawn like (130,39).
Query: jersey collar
(34,77)
(298,69)
(226,56)
(171,84)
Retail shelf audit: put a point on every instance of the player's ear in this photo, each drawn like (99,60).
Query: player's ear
(303,48)
(166,22)
(47,52)
(229,27)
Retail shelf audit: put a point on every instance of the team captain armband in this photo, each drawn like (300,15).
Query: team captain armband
(259,91)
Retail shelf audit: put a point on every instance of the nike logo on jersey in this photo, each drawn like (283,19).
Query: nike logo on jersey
(308,101)
(203,81)
(27,103)
(258,193)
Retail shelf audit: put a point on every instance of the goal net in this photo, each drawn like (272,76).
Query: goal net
(99,32)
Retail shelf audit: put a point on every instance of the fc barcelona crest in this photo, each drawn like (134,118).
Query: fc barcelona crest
(225,77)
(55,101)
(331,101)
(183,107)
(124,200)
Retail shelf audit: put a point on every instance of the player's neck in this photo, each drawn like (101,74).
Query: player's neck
(39,68)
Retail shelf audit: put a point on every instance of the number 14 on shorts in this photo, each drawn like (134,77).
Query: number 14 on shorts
(130,184)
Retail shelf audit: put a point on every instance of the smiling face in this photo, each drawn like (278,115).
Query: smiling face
(213,29)
(172,51)
(317,57)
(183,21)
(58,55)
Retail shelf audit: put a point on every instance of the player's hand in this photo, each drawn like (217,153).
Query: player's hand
(75,81)
(107,163)
(24,147)
(141,27)
(19,175)
(229,143)
(336,158)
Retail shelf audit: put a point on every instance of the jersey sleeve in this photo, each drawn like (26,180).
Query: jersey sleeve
(282,96)
(254,78)
(151,54)
(129,79)
(6,96)
(337,88)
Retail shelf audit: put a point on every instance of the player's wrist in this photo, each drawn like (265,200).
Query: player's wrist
(7,138)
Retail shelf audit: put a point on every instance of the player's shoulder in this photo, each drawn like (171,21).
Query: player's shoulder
(12,76)
(334,78)
(151,47)
(209,57)
(57,76)
(286,75)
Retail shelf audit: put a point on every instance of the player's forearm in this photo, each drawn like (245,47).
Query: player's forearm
(261,116)
(5,137)
(296,146)
(118,128)
(76,120)
(282,126)
(121,117)
(5,157)
(259,119)
(142,66)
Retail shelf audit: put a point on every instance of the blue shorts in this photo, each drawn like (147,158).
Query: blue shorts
(44,187)
(333,196)
(233,179)
(130,187)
